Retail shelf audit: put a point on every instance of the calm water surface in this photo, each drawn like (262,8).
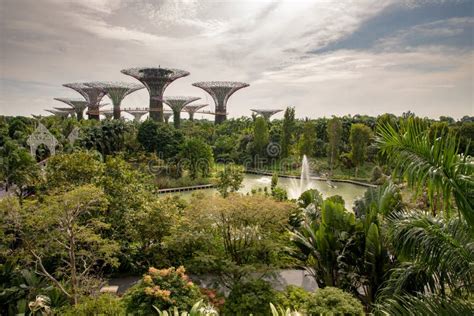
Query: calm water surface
(349,192)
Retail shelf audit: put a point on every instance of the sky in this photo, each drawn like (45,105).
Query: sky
(322,57)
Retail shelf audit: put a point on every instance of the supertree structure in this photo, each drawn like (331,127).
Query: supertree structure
(92,93)
(167,115)
(109,114)
(266,113)
(137,113)
(220,91)
(117,91)
(177,104)
(58,113)
(70,111)
(79,105)
(193,108)
(156,80)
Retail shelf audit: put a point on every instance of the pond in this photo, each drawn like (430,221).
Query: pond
(349,192)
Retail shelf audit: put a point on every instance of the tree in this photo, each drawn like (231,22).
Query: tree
(229,178)
(420,240)
(359,138)
(18,168)
(197,157)
(74,225)
(65,171)
(106,137)
(260,136)
(434,164)
(287,131)
(334,131)
(322,241)
(308,139)
(156,137)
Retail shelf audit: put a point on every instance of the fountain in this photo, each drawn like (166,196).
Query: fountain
(297,187)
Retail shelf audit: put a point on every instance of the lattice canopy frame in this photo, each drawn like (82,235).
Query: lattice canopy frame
(177,103)
(117,91)
(137,113)
(220,91)
(58,113)
(167,115)
(193,108)
(266,113)
(156,80)
(92,93)
(79,105)
(41,136)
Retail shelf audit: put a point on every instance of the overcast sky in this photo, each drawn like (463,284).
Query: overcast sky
(323,57)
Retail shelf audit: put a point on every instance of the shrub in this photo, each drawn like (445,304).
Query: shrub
(163,289)
(253,297)
(333,301)
(293,297)
(336,199)
(105,304)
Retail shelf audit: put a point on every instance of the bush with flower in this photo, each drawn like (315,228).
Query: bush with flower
(162,288)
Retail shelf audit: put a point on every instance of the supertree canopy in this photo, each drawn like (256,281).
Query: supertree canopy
(193,108)
(58,113)
(220,91)
(79,105)
(92,93)
(155,79)
(266,113)
(137,113)
(70,111)
(167,115)
(117,91)
(177,104)
(109,114)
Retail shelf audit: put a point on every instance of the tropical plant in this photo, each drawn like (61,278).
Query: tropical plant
(333,301)
(322,241)
(359,138)
(18,169)
(104,304)
(434,164)
(162,289)
(251,297)
(279,311)
(436,252)
(334,132)
(229,179)
(197,157)
(198,309)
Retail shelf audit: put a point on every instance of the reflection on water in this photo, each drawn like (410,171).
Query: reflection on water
(349,192)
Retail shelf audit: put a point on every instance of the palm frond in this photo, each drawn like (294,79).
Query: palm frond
(423,305)
(432,163)
(435,246)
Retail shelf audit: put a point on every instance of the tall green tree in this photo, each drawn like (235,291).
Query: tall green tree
(18,169)
(260,136)
(197,157)
(287,131)
(74,225)
(166,141)
(308,139)
(334,131)
(359,138)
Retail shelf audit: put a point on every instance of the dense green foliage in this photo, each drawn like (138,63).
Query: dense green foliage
(93,212)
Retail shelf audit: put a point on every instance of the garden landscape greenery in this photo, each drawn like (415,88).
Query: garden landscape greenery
(94,211)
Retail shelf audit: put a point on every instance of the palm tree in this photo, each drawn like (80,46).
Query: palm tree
(434,164)
(436,251)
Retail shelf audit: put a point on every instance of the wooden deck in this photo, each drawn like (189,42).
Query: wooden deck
(190,188)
